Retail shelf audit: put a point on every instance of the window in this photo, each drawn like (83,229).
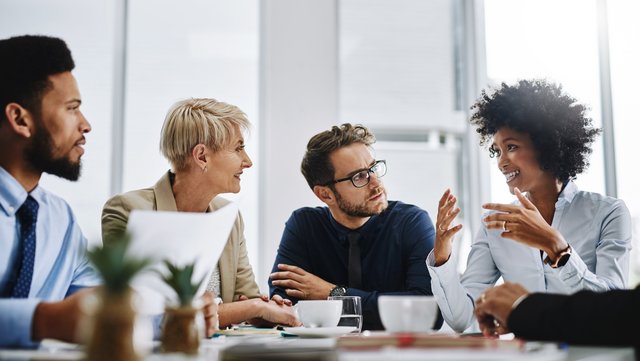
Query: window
(556,40)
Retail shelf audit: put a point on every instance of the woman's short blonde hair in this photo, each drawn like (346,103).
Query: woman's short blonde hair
(196,121)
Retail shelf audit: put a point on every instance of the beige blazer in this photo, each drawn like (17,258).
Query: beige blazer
(236,275)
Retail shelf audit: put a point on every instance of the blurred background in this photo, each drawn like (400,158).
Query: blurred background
(408,69)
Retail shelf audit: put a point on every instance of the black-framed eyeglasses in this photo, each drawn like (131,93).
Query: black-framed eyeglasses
(362,177)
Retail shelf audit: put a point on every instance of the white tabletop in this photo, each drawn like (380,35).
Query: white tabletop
(210,351)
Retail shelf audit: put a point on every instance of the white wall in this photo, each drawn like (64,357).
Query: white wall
(298,98)
(88,29)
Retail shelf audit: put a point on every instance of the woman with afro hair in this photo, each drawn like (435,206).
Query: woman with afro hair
(554,237)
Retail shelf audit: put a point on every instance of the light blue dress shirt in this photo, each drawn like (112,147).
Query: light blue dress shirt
(597,227)
(60,268)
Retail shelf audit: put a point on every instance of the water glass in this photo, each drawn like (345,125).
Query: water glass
(351,311)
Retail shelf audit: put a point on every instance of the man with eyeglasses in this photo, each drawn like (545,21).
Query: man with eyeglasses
(360,244)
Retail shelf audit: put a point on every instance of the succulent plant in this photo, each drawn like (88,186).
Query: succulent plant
(114,265)
(179,278)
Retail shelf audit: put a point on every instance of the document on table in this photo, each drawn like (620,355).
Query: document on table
(181,238)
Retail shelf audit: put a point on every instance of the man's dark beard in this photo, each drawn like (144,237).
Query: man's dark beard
(38,154)
(353,210)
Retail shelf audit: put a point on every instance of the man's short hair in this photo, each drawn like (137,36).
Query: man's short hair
(316,165)
(196,121)
(26,62)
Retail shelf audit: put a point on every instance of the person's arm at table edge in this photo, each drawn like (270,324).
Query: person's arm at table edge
(580,318)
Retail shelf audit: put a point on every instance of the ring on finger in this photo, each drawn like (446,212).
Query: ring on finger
(482,297)
(504,226)
(441,229)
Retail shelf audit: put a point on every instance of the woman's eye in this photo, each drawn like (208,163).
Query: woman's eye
(512,147)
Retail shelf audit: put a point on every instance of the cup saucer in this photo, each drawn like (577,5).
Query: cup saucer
(320,331)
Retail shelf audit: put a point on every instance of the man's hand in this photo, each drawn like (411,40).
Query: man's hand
(447,212)
(210,313)
(59,320)
(494,306)
(301,284)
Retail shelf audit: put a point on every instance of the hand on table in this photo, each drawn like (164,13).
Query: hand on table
(274,311)
(59,320)
(270,313)
(494,306)
(301,284)
(276,298)
(210,313)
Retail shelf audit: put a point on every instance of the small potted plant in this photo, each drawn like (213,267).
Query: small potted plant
(113,320)
(180,330)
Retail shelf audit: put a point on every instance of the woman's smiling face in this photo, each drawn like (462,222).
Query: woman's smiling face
(227,165)
(518,161)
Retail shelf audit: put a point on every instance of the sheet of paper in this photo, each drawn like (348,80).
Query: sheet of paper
(181,238)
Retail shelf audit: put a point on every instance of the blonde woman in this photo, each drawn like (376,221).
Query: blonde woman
(203,141)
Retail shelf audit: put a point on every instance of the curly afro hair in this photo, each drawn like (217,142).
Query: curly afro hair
(557,125)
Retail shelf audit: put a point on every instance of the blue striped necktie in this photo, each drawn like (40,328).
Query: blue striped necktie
(27,216)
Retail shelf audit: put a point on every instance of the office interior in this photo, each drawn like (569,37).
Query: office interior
(407,69)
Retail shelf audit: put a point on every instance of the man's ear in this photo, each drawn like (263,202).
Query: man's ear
(19,119)
(325,194)
(199,154)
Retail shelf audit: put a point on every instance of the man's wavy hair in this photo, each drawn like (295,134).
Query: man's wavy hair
(557,124)
(316,165)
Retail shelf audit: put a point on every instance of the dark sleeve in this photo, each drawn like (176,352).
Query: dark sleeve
(586,318)
(291,251)
(417,240)
(420,236)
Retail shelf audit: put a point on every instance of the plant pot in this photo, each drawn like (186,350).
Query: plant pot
(112,332)
(180,330)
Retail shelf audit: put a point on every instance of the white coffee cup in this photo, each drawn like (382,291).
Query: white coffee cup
(319,313)
(408,313)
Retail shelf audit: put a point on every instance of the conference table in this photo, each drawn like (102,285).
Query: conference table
(270,347)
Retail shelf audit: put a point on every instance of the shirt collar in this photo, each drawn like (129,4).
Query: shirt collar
(12,194)
(343,231)
(567,194)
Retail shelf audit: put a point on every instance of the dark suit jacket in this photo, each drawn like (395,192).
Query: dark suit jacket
(610,318)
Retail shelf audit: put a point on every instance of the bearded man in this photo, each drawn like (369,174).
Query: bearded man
(43,261)
(360,244)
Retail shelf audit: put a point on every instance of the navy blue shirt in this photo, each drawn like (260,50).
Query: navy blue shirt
(393,249)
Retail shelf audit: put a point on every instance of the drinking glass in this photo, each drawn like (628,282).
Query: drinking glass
(351,311)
